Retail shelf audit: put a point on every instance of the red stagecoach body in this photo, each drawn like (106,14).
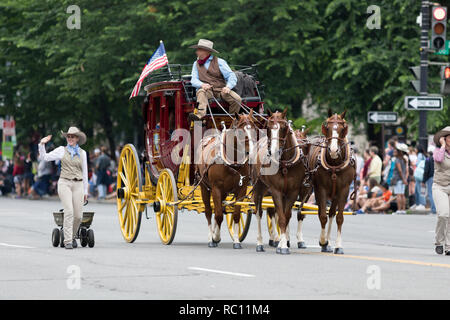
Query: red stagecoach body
(170,97)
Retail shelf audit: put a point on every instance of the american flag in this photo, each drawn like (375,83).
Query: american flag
(157,60)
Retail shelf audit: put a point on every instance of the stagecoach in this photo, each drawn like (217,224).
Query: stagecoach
(155,179)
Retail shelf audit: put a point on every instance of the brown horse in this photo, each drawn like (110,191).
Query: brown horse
(280,170)
(333,170)
(222,176)
(306,190)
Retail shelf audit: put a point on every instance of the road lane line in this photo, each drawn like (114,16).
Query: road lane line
(223,272)
(15,246)
(414,262)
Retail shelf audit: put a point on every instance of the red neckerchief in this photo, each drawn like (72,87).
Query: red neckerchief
(203,61)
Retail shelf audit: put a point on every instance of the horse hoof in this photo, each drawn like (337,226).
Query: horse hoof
(338,251)
(216,242)
(271,243)
(283,251)
(301,245)
(237,246)
(212,244)
(275,243)
(323,245)
(260,248)
(326,248)
(289,244)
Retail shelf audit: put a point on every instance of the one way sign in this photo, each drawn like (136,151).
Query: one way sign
(423,103)
(381,117)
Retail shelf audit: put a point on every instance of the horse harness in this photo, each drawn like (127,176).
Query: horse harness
(286,164)
(320,156)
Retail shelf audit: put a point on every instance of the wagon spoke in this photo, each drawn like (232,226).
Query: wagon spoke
(170,215)
(126,219)
(164,224)
(124,216)
(164,187)
(122,204)
(125,168)
(125,181)
(134,212)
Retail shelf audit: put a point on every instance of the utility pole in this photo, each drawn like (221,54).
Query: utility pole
(425,12)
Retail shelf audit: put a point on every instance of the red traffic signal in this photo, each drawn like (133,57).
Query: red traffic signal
(439,13)
(438,27)
(446,73)
(445,82)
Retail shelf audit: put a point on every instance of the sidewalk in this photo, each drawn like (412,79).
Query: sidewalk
(111,200)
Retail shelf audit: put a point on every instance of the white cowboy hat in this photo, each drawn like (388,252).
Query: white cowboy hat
(204,44)
(402,147)
(442,133)
(77,132)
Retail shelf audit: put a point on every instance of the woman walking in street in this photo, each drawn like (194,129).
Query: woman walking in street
(441,189)
(399,176)
(420,200)
(18,173)
(73,180)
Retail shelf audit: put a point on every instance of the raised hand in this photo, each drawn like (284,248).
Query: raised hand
(46,139)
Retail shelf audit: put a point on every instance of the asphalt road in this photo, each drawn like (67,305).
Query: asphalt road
(386,257)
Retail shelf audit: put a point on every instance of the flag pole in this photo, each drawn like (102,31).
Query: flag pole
(168,66)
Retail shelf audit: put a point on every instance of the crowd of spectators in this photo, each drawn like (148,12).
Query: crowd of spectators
(401,180)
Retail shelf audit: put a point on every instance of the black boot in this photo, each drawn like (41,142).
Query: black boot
(193,117)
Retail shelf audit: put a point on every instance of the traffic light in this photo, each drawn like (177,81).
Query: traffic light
(438,27)
(445,83)
(416,73)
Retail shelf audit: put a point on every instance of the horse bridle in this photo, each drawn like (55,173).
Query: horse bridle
(341,141)
(281,147)
(244,125)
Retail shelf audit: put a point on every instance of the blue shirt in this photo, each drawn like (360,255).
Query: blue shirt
(225,69)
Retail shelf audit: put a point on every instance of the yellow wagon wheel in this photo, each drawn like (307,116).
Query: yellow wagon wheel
(129,184)
(269,225)
(166,212)
(244,224)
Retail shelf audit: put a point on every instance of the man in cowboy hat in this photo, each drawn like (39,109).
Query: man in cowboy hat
(212,77)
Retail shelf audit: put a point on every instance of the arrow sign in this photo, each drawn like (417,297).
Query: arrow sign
(423,103)
(381,117)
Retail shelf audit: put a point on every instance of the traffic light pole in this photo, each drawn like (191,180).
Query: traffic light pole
(425,12)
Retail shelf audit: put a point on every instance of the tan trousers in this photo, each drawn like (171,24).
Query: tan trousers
(232,98)
(71,194)
(441,197)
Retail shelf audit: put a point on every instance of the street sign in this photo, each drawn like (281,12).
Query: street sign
(381,117)
(444,51)
(423,103)
(9,127)
(7,150)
